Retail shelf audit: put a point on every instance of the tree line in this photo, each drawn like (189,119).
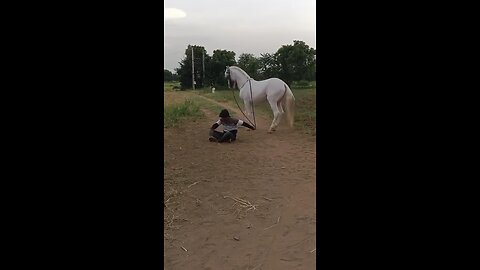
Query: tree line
(290,63)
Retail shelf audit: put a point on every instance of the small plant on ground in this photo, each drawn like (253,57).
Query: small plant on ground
(173,114)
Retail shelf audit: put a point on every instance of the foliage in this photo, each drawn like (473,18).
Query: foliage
(167,75)
(249,64)
(302,84)
(171,86)
(208,104)
(174,113)
(296,62)
(290,63)
(185,70)
(220,60)
(306,110)
(214,67)
(268,66)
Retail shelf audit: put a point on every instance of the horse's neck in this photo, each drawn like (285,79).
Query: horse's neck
(241,80)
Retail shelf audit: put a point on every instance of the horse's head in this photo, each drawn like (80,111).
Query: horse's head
(227,72)
(230,80)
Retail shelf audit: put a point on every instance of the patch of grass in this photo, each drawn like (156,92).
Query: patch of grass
(306,110)
(209,105)
(222,96)
(175,97)
(303,84)
(171,86)
(175,113)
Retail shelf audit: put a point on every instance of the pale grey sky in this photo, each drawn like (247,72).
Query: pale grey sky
(242,26)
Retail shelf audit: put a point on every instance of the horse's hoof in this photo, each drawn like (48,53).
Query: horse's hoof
(271,131)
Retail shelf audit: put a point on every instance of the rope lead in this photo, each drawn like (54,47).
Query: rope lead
(253,107)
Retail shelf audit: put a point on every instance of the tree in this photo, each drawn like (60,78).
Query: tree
(185,70)
(220,60)
(175,77)
(249,64)
(268,66)
(295,62)
(290,63)
(167,75)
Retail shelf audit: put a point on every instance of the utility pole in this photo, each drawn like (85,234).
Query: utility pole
(203,63)
(193,71)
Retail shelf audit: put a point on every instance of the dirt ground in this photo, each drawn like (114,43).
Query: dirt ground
(244,205)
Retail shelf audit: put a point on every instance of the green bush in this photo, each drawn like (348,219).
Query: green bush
(173,114)
(302,84)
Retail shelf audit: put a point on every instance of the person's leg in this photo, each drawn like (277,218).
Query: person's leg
(234,135)
(228,136)
(214,135)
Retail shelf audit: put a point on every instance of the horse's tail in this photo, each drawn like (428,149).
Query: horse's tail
(289,101)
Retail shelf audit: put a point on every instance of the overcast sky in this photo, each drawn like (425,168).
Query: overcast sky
(242,26)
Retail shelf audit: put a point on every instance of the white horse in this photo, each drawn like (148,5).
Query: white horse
(274,90)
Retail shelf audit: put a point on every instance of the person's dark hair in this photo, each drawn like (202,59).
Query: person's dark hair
(224,113)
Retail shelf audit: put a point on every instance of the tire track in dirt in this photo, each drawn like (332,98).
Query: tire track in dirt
(275,172)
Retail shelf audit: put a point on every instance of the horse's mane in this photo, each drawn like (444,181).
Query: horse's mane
(242,71)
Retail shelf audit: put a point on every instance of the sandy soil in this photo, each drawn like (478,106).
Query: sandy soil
(245,205)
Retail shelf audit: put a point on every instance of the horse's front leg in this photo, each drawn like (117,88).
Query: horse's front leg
(248,112)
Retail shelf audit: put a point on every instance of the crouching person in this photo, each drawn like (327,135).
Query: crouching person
(230,126)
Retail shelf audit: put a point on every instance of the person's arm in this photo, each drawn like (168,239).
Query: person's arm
(245,124)
(214,126)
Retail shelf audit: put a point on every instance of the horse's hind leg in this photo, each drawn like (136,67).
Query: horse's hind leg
(280,109)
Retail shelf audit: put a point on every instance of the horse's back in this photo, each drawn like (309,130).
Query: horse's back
(274,86)
(273,80)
